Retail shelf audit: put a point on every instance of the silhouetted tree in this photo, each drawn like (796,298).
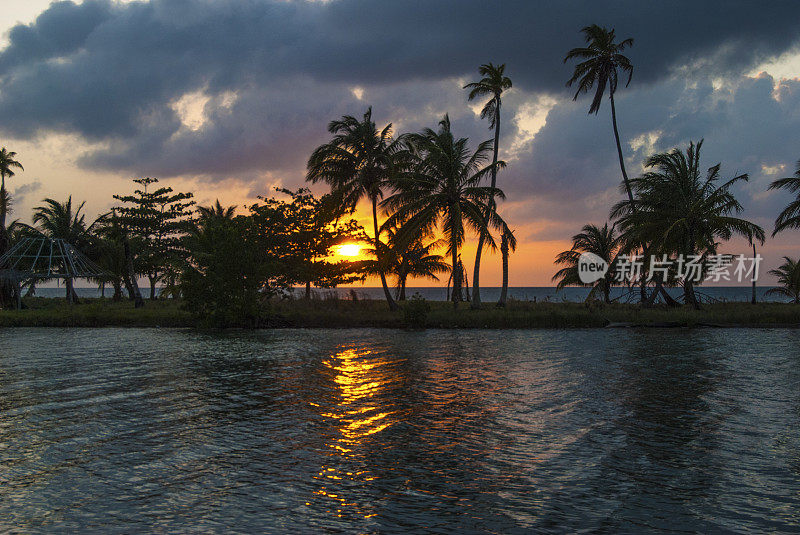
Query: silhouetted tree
(359,162)
(598,70)
(492,84)
(679,211)
(508,242)
(601,241)
(443,189)
(788,275)
(58,220)
(790,216)
(156,221)
(309,228)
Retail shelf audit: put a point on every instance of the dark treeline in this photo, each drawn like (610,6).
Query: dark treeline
(428,192)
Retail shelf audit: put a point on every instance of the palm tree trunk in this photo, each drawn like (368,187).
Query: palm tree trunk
(476,272)
(457,276)
(3,208)
(378,253)
(138,302)
(619,150)
(308,290)
(689,295)
(504,290)
(402,289)
(152,286)
(117,283)
(68,284)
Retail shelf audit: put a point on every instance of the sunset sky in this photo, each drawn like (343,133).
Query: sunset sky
(229,98)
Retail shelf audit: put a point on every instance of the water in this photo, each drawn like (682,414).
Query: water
(490,294)
(611,431)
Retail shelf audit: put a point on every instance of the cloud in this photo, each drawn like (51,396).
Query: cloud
(113,72)
(22,192)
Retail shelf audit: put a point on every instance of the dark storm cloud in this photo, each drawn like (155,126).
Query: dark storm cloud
(97,68)
(569,171)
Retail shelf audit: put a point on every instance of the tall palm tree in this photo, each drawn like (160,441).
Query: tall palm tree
(790,216)
(492,84)
(358,163)
(681,211)
(443,190)
(788,279)
(604,242)
(508,242)
(60,221)
(600,63)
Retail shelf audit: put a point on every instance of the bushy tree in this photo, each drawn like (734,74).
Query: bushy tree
(156,220)
(308,229)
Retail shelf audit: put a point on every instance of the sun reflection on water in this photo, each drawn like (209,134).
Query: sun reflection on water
(358,411)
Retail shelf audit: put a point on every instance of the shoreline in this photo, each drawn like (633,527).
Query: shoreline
(344,314)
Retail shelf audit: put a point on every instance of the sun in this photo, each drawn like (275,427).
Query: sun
(348,249)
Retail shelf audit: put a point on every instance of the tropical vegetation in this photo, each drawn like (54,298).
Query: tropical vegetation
(429,194)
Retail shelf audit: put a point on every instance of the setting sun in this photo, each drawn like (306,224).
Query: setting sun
(348,249)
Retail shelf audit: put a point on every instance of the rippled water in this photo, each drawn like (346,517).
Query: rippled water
(375,431)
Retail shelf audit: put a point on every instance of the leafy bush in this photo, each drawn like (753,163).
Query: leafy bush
(415,312)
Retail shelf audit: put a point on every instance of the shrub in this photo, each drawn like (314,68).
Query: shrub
(415,312)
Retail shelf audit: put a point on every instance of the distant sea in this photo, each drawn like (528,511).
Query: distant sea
(488,294)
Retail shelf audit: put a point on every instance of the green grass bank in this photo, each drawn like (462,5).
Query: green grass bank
(43,312)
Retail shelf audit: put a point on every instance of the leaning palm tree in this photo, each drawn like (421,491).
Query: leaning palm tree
(788,275)
(603,242)
(790,216)
(358,163)
(60,221)
(598,70)
(443,190)
(681,211)
(492,84)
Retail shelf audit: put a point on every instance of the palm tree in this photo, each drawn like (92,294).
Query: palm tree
(492,84)
(790,216)
(789,280)
(402,259)
(359,162)
(7,166)
(603,242)
(216,210)
(598,70)
(443,190)
(59,221)
(108,251)
(679,211)
(507,242)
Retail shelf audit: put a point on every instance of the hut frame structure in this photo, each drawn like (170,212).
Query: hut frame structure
(42,258)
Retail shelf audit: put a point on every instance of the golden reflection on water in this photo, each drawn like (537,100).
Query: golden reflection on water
(357,411)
